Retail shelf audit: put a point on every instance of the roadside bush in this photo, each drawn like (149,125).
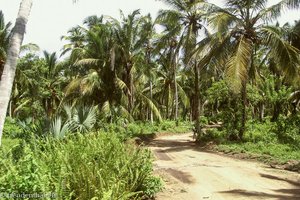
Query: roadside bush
(260,131)
(130,130)
(287,130)
(79,166)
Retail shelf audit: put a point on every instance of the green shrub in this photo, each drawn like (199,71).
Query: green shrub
(130,130)
(260,131)
(11,128)
(79,167)
(287,130)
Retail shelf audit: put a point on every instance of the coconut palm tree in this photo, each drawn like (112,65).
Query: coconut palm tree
(4,41)
(129,45)
(243,26)
(8,74)
(186,18)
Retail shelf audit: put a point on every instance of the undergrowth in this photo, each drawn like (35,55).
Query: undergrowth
(91,166)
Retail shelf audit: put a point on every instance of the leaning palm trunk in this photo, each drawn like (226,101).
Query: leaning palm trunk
(9,70)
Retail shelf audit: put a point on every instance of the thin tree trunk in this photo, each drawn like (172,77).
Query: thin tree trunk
(10,108)
(151,96)
(276,111)
(129,83)
(262,111)
(176,95)
(277,105)
(167,103)
(244,111)
(9,70)
(197,128)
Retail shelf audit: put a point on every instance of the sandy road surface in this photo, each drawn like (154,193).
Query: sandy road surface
(193,174)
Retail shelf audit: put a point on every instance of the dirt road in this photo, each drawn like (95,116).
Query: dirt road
(193,174)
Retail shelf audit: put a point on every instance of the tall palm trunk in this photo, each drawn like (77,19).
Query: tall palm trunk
(244,111)
(9,70)
(151,96)
(176,89)
(196,108)
(129,83)
(176,97)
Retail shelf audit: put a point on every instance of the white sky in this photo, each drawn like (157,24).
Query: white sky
(50,19)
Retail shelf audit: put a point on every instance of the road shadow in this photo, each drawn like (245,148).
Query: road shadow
(183,177)
(292,182)
(291,194)
(172,145)
(283,194)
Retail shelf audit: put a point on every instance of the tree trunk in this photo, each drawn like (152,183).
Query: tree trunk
(151,96)
(261,111)
(129,84)
(197,128)
(9,70)
(244,111)
(176,94)
(276,111)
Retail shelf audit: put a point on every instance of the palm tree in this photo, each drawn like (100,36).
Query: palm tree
(129,44)
(186,17)
(243,28)
(94,64)
(53,79)
(4,41)
(75,37)
(169,48)
(8,75)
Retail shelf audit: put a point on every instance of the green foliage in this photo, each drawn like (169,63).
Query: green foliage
(59,129)
(130,130)
(218,91)
(96,165)
(287,130)
(214,135)
(152,186)
(15,128)
(12,129)
(264,151)
(260,131)
(269,140)
(8,144)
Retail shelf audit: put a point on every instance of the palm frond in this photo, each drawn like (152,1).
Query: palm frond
(124,113)
(275,11)
(59,129)
(106,109)
(87,61)
(120,84)
(286,56)
(73,86)
(30,47)
(183,97)
(151,105)
(237,67)
(222,21)
(84,118)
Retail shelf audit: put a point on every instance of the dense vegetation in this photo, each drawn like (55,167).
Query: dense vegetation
(233,67)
